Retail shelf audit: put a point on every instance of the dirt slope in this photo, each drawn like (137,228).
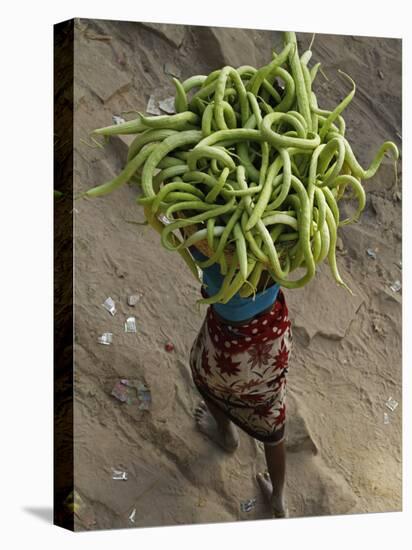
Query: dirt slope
(342,458)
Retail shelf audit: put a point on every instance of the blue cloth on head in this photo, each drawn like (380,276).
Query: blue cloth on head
(238,308)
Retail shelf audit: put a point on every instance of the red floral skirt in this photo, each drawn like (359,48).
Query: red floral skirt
(243,368)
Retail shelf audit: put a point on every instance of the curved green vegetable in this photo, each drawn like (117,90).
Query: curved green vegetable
(251,170)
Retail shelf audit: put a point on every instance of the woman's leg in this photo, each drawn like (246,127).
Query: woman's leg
(273,483)
(211,421)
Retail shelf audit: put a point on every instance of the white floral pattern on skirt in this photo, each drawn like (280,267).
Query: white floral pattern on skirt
(243,369)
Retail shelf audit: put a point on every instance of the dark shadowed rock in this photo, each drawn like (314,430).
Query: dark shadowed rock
(105,83)
(237,46)
(172,33)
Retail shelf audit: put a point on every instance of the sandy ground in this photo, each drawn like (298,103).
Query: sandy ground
(342,457)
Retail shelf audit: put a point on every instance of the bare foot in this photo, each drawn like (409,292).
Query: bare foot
(225,437)
(277,503)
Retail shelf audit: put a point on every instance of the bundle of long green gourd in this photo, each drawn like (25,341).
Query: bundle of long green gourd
(250,167)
